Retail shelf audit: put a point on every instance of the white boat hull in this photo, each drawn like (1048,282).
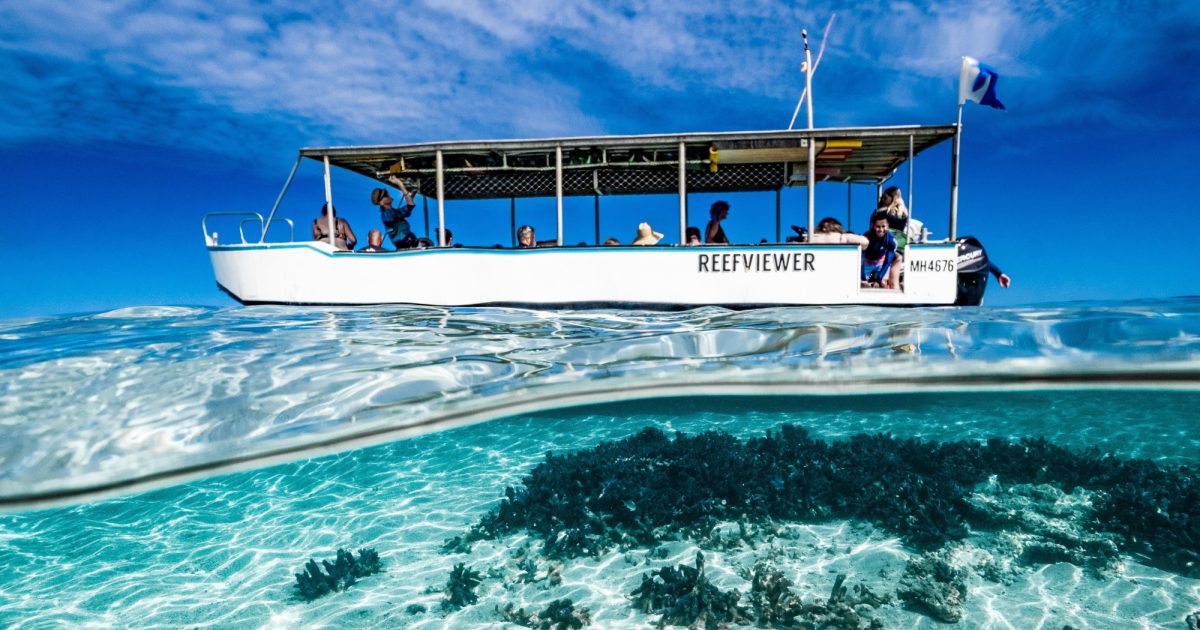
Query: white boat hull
(640,277)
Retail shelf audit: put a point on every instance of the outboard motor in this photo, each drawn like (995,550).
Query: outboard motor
(972,272)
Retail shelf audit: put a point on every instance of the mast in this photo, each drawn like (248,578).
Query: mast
(812,145)
(954,177)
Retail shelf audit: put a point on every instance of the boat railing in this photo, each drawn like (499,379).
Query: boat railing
(247,217)
(291,228)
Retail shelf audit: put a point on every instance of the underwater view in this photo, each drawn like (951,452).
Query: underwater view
(838,467)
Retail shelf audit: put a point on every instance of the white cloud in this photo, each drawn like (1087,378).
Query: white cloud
(200,73)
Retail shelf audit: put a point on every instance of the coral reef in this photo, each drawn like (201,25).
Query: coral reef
(683,596)
(1043,525)
(931,584)
(774,605)
(460,588)
(1157,510)
(651,487)
(561,614)
(338,575)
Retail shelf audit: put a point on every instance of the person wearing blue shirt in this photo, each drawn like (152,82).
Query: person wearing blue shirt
(395,220)
(1001,277)
(879,253)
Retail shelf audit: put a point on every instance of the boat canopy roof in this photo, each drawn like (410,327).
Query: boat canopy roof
(641,164)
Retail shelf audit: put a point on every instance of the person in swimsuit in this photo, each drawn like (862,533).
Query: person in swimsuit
(713,233)
(343,237)
(830,230)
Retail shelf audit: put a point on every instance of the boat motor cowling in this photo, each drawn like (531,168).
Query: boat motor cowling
(972,272)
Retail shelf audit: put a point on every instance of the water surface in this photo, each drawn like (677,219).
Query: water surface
(396,428)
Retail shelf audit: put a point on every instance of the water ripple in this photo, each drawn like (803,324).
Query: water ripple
(149,394)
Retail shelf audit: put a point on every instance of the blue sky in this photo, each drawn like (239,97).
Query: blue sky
(122,123)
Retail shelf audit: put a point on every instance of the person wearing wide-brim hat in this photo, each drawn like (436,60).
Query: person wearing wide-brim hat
(646,236)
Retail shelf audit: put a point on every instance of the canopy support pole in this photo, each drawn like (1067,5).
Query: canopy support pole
(849,205)
(812,182)
(558,176)
(512,219)
(777,217)
(682,193)
(441,193)
(954,177)
(596,199)
(279,199)
(329,202)
(910,175)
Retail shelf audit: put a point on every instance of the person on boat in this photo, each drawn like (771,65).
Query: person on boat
(374,242)
(395,220)
(646,235)
(892,203)
(693,235)
(343,237)
(1001,277)
(610,241)
(449,237)
(879,254)
(713,233)
(830,230)
(525,238)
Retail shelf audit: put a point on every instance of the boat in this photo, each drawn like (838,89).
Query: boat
(669,275)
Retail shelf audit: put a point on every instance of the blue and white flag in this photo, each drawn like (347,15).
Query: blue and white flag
(977,82)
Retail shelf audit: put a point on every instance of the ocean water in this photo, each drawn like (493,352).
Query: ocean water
(172,466)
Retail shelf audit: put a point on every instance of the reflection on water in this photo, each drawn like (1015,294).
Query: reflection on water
(130,403)
(151,393)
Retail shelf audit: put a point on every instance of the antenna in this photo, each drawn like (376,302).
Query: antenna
(808,72)
(803,68)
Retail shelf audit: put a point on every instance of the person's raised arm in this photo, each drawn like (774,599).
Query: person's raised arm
(409,197)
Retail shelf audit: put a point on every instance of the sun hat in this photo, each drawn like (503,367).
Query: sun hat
(646,236)
(377,194)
